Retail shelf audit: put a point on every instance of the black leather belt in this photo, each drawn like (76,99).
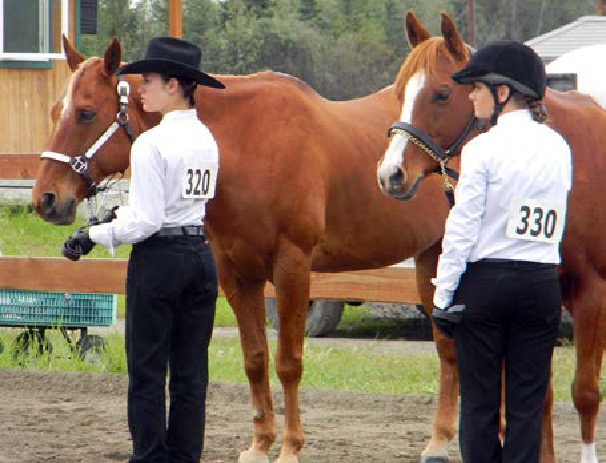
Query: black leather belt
(513,263)
(188,230)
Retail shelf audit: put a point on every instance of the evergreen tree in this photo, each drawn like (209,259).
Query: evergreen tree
(308,10)
(342,48)
(202,26)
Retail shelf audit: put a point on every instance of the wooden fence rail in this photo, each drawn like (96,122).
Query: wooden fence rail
(19,166)
(391,284)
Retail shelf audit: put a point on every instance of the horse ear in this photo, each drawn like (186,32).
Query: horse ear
(74,58)
(453,39)
(415,32)
(112,57)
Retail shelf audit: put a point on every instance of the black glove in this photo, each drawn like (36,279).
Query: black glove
(109,216)
(447,319)
(77,245)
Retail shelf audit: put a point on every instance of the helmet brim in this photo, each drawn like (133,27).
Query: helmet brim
(466,76)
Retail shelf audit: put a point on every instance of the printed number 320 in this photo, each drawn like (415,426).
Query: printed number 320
(198,182)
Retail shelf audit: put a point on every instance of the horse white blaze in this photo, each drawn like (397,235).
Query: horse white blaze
(67,97)
(394,155)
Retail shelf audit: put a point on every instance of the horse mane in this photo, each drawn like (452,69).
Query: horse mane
(423,57)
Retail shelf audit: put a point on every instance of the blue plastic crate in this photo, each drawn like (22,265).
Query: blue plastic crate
(38,308)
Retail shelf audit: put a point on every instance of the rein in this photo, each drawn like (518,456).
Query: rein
(80,164)
(434,151)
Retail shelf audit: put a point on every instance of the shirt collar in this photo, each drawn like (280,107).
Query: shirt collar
(515,116)
(180,115)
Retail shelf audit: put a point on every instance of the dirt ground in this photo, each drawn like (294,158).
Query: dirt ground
(81,417)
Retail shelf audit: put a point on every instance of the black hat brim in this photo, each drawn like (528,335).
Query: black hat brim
(469,76)
(171,68)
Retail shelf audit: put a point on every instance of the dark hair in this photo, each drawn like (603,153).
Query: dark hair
(188,86)
(536,107)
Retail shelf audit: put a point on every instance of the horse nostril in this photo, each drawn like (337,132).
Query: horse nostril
(396,177)
(48,202)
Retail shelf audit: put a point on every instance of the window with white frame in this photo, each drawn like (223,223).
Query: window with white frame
(25,29)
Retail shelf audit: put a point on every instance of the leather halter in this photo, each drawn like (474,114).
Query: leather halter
(80,164)
(435,151)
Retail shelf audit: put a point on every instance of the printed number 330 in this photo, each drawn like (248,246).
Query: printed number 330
(535,221)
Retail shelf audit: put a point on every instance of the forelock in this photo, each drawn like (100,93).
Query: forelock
(422,58)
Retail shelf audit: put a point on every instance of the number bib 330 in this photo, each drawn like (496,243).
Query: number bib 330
(534,220)
(199,181)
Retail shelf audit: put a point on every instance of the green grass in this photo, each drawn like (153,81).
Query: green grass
(348,369)
(25,234)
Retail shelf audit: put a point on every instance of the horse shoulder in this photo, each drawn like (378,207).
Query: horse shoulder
(266,126)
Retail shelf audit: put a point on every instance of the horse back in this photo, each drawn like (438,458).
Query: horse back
(582,123)
(295,165)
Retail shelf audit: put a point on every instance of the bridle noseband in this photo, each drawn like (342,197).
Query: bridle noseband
(80,164)
(435,151)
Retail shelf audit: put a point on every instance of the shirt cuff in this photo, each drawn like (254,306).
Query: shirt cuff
(442,298)
(103,234)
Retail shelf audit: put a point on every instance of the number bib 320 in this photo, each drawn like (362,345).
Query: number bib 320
(534,220)
(199,181)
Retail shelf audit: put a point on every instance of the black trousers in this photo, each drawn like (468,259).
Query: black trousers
(512,318)
(171,292)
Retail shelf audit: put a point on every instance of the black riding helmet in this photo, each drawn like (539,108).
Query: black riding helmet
(508,63)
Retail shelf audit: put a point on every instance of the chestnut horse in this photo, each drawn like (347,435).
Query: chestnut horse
(296,192)
(438,111)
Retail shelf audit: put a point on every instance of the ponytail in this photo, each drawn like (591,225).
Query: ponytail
(189,90)
(537,110)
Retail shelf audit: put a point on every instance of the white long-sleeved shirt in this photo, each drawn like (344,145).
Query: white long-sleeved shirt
(517,176)
(159,160)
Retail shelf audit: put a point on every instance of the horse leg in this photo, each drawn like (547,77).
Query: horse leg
(291,280)
(448,394)
(247,301)
(589,329)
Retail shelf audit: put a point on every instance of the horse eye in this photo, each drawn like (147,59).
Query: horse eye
(442,96)
(85,115)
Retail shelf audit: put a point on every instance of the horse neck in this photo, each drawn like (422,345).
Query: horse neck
(216,107)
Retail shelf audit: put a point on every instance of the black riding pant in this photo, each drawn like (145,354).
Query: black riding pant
(171,291)
(512,318)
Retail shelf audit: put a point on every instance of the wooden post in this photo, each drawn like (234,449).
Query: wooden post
(175,28)
(600,7)
(470,24)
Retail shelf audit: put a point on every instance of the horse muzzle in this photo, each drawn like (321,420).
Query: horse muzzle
(392,182)
(394,185)
(57,213)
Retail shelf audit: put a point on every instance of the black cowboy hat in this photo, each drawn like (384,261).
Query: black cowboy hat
(172,57)
(509,63)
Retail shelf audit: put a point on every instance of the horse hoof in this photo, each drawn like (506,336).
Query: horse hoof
(253,456)
(434,459)
(287,459)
